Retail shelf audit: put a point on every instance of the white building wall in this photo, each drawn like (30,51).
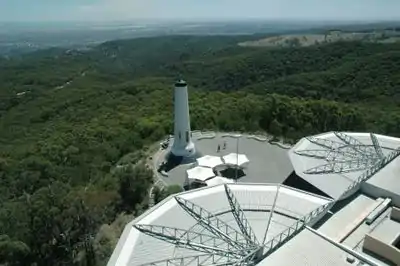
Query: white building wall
(377,192)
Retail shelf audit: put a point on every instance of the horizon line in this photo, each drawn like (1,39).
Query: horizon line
(211,20)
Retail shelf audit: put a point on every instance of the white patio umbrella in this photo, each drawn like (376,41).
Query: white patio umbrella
(218,180)
(210,161)
(199,173)
(235,159)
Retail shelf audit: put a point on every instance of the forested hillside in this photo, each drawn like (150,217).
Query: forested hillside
(67,118)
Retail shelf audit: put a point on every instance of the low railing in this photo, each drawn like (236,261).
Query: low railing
(207,135)
(198,134)
(231,135)
(163,173)
(258,138)
(315,213)
(281,145)
(196,131)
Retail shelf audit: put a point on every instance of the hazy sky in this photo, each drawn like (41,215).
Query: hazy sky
(105,10)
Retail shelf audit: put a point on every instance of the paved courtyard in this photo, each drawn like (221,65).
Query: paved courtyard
(269,163)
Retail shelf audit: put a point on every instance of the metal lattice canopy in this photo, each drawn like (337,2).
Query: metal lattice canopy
(345,155)
(220,243)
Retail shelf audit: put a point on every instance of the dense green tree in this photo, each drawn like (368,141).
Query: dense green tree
(75,126)
(134,185)
(13,252)
(161,194)
(275,128)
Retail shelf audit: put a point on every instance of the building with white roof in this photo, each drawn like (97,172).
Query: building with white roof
(199,173)
(236,160)
(333,161)
(368,226)
(354,221)
(209,161)
(225,223)
(386,182)
(218,180)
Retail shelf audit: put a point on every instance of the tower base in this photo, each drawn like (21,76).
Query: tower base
(172,160)
(188,150)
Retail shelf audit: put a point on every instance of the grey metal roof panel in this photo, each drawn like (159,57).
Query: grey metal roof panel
(345,216)
(382,228)
(307,248)
(278,224)
(146,246)
(357,236)
(297,208)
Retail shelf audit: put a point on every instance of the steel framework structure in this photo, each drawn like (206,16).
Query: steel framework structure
(213,224)
(192,240)
(343,156)
(219,243)
(240,218)
(271,213)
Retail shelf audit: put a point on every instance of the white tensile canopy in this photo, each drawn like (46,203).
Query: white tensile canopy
(199,173)
(218,180)
(210,161)
(235,159)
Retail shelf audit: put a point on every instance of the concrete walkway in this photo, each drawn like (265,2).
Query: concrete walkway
(269,162)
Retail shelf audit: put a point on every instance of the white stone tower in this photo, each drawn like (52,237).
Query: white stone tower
(182,145)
